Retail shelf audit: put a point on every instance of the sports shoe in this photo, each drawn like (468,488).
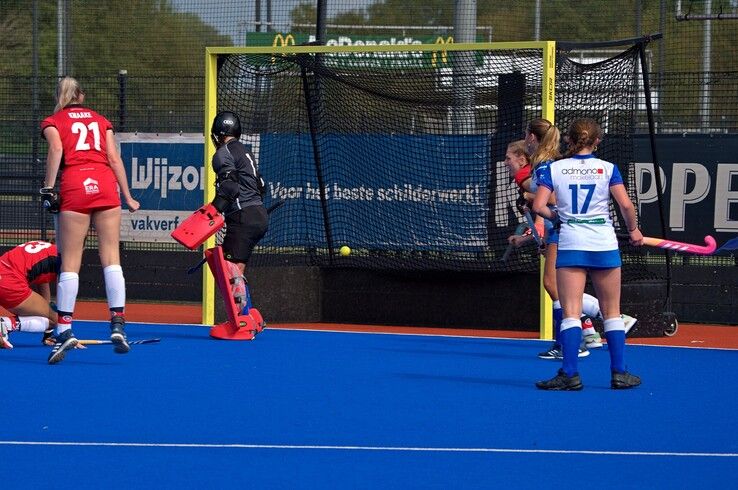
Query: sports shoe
(553,353)
(556,353)
(118,336)
(561,382)
(48,337)
(592,341)
(64,342)
(4,342)
(629,322)
(623,381)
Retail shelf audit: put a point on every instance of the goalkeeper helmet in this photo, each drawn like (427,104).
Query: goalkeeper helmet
(226,123)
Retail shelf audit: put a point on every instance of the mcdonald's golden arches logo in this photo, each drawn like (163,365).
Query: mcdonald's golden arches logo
(282,40)
(444,54)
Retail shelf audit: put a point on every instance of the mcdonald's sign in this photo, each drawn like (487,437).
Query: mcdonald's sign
(443,53)
(281,40)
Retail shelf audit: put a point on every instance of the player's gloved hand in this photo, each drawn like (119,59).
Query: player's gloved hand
(556,220)
(220,203)
(50,199)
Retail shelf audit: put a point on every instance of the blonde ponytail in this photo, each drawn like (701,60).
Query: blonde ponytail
(68,91)
(548,137)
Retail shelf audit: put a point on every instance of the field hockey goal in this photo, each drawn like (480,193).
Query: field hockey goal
(396,151)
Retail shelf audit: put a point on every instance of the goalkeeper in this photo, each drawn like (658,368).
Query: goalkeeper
(238,196)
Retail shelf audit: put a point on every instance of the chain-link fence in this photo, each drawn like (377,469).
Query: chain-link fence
(141,62)
(693,67)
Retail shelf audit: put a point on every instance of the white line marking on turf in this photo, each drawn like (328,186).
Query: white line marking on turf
(630,342)
(372,448)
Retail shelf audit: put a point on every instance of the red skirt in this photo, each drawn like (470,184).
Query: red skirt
(14,289)
(86,188)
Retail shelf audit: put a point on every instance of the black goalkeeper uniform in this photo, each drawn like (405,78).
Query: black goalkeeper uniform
(238,181)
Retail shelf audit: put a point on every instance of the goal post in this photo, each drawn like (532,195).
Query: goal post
(428,104)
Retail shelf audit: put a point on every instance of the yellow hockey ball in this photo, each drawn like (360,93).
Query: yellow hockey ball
(344,251)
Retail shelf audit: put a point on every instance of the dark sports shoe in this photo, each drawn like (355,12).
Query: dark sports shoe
(48,338)
(64,342)
(553,353)
(561,382)
(556,353)
(623,381)
(118,335)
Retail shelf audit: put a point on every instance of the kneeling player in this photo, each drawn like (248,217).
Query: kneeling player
(31,265)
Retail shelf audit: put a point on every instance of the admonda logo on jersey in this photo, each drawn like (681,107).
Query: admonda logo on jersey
(578,173)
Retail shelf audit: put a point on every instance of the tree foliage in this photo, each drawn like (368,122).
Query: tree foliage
(146,37)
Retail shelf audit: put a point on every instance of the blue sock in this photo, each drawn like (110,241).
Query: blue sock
(570,338)
(558,315)
(248,306)
(616,346)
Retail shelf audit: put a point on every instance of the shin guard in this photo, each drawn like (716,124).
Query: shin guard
(238,326)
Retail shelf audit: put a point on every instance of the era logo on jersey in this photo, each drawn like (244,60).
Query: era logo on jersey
(91,186)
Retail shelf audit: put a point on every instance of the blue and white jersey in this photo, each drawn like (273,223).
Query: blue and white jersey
(535,178)
(582,186)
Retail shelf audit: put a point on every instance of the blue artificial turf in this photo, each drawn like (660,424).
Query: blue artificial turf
(300,409)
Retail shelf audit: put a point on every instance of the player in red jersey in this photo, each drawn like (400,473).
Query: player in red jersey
(25,274)
(82,145)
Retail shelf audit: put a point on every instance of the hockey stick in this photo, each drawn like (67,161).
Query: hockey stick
(518,231)
(269,211)
(532,226)
(107,342)
(707,249)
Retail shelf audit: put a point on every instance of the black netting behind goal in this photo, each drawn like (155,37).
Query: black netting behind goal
(399,156)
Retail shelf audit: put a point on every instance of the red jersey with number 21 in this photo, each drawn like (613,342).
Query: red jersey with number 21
(83,134)
(87,181)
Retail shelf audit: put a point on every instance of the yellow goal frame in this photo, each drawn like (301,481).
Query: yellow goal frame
(548,50)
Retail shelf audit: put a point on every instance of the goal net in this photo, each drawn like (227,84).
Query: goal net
(397,152)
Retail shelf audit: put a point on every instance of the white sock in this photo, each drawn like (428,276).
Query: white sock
(591,306)
(115,286)
(12,323)
(66,291)
(66,297)
(38,324)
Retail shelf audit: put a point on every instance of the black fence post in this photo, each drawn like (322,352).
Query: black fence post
(122,99)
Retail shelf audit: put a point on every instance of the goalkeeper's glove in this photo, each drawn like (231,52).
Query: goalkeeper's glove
(50,199)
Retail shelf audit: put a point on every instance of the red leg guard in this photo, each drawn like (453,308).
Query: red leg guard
(258,320)
(237,327)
